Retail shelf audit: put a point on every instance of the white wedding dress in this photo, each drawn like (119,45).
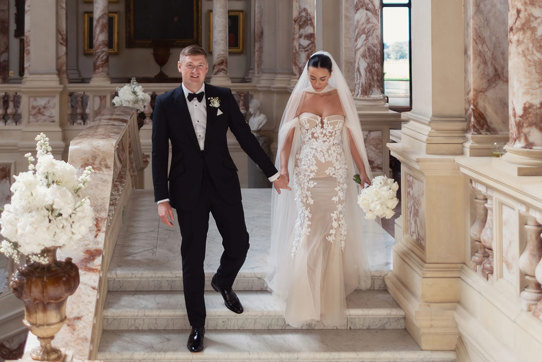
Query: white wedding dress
(318,255)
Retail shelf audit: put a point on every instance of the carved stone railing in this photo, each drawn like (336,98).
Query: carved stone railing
(506,231)
(10,106)
(111,145)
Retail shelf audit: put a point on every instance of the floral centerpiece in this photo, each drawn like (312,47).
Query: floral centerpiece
(47,212)
(132,95)
(379,199)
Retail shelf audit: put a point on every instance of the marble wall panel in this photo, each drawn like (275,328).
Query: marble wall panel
(373,145)
(510,257)
(415,210)
(42,109)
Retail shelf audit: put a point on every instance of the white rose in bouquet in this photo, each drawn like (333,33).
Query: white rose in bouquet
(132,95)
(379,199)
(46,209)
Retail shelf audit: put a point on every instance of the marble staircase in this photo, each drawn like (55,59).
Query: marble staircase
(145,320)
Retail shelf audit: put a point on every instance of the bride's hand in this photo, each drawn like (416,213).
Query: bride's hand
(282,182)
(365,180)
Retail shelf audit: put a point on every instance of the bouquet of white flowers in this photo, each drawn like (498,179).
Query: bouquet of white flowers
(379,199)
(132,95)
(46,209)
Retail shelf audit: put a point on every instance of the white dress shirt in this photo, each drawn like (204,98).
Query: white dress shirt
(198,114)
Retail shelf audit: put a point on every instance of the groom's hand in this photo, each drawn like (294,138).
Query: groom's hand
(166,213)
(282,183)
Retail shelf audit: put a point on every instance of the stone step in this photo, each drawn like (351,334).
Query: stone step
(268,345)
(141,280)
(166,310)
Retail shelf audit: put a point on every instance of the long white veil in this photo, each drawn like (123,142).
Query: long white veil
(283,207)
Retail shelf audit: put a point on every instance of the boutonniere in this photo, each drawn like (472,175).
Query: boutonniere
(215,103)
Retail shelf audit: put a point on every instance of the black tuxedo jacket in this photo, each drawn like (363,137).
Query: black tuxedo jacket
(172,123)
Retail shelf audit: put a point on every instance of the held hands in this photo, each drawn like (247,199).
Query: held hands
(365,179)
(282,182)
(166,213)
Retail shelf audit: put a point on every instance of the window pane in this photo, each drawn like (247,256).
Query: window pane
(395,1)
(395,23)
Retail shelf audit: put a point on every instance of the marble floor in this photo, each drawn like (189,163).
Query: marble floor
(144,240)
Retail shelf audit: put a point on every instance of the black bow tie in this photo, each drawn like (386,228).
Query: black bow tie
(199,96)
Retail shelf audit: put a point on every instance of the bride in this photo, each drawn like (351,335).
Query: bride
(317,253)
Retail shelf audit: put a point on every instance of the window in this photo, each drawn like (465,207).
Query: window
(397,53)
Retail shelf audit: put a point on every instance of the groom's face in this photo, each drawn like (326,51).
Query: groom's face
(193,69)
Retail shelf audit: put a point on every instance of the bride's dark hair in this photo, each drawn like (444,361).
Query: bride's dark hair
(320,61)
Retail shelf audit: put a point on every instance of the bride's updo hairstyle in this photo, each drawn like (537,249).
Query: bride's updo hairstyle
(320,61)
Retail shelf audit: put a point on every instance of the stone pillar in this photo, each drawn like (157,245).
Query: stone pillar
(525,95)
(4,40)
(486,75)
(27,19)
(72,61)
(427,258)
(368,52)
(61,41)
(304,34)
(101,43)
(258,36)
(347,49)
(220,43)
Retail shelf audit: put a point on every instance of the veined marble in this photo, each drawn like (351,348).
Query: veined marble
(27,22)
(220,37)
(368,49)
(304,34)
(258,36)
(373,145)
(415,210)
(100,103)
(510,255)
(525,73)
(42,109)
(4,40)
(61,40)
(486,62)
(101,39)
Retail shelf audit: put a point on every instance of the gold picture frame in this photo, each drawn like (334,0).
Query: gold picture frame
(88,21)
(236,31)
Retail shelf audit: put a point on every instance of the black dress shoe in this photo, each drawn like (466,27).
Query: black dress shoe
(195,340)
(230,298)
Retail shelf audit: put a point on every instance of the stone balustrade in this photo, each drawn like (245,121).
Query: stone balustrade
(10,107)
(506,231)
(111,145)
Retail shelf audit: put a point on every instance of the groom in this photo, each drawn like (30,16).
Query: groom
(203,178)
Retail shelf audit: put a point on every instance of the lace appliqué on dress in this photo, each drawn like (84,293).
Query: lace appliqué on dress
(321,155)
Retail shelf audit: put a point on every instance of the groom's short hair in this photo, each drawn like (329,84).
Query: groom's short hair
(193,49)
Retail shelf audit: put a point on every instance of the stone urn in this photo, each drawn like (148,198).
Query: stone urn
(44,289)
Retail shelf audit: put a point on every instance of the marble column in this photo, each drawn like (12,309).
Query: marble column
(486,75)
(304,44)
(258,36)
(27,19)
(525,94)
(101,43)
(347,48)
(220,42)
(368,50)
(61,41)
(4,40)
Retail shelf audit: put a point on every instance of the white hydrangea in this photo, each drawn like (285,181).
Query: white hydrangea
(132,95)
(46,209)
(379,199)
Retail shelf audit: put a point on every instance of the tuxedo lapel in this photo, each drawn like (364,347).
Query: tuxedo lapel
(184,114)
(211,112)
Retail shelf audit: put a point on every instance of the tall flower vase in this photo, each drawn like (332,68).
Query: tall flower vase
(44,289)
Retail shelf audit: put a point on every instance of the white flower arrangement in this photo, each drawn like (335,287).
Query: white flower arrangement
(132,95)
(46,209)
(379,199)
